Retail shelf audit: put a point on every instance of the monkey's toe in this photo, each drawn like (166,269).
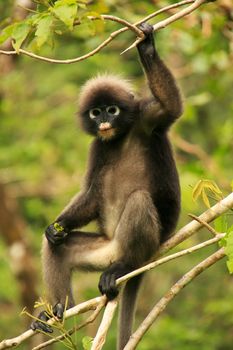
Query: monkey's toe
(58,310)
(41,323)
(107,285)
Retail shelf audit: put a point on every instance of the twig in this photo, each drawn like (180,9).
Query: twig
(170,295)
(210,228)
(90,319)
(187,231)
(100,337)
(171,19)
(168,258)
(105,42)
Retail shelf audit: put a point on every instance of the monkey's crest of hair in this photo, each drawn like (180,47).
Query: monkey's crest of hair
(106,87)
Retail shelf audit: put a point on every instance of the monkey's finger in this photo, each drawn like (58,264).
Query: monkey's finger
(112,288)
(146,28)
(58,311)
(40,326)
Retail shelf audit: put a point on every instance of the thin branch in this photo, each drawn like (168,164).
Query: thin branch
(161,261)
(101,334)
(105,42)
(171,19)
(187,231)
(209,228)
(170,295)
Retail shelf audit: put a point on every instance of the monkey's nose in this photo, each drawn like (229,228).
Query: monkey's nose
(105,126)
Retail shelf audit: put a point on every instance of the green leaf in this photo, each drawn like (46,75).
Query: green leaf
(87,343)
(220,224)
(19,34)
(229,250)
(43,30)
(66,11)
(6,33)
(58,227)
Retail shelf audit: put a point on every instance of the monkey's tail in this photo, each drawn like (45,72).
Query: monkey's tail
(127,310)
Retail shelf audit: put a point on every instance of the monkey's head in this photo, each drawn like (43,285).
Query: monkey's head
(107,107)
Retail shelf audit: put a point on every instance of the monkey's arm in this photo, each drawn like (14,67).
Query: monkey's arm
(81,210)
(166,104)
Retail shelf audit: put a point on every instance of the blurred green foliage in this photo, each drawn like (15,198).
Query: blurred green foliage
(43,155)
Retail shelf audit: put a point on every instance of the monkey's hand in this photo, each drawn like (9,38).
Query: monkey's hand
(107,283)
(146,48)
(56,234)
(41,323)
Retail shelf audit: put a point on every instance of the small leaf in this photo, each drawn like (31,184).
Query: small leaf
(19,34)
(197,190)
(66,11)
(6,33)
(43,30)
(205,199)
(58,227)
(220,224)
(87,343)
(229,250)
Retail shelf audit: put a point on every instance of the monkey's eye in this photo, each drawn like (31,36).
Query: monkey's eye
(113,110)
(94,112)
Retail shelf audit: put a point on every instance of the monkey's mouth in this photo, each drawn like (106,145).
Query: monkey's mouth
(106,131)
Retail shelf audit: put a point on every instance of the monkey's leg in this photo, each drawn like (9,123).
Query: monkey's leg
(88,251)
(93,252)
(127,310)
(138,234)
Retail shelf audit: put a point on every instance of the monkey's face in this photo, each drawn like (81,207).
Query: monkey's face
(107,107)
(107,121)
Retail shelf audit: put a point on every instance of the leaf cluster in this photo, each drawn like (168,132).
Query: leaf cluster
(49,18)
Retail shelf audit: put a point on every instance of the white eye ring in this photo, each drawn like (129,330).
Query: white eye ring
(94,112)
(113,110)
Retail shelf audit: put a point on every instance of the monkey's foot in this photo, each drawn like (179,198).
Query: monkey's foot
(42,325)
(107,283)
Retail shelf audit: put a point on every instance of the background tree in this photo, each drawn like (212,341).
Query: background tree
(42,155)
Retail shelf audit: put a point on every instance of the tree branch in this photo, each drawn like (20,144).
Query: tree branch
(184,233)
(104,325)
(129,26)
(170,295)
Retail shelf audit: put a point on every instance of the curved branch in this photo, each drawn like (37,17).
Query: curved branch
(128,25)
(170,295)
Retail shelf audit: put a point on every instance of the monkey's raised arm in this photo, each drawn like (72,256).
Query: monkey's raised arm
(166,106)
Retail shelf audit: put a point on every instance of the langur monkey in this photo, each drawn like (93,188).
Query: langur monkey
(131,188)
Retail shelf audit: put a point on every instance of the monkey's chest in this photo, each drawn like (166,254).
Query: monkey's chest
(127,174)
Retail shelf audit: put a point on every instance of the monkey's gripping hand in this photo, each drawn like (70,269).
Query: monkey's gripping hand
(107,283)
(146,48)
(41,323)
(56,234)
